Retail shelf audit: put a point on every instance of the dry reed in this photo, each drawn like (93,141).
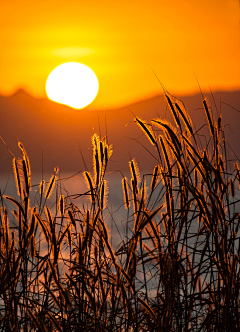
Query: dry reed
(177,266)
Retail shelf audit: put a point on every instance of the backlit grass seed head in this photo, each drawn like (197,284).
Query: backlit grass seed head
(135,172)
(25,176)
(173,110)
(96,158)
(186,119)
(95,141)
(17,177)
(101,148)
(25,158)
(125,193)
(50,186)
(28,165)
(49,217)
(149,133)
(134,194)
(96,146)
(61,205)
(21,146)
(56,170)
(107,153)
(41,186)
(103,195)
(89,182)
(97,168)
(170,133)
(165,153)
(175,144)
(210,123)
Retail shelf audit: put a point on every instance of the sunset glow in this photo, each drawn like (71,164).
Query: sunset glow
(72,84)
(122,42)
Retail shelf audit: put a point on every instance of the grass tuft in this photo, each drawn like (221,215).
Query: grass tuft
(176,265)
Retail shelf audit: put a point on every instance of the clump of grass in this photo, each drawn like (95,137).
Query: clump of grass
(177,269)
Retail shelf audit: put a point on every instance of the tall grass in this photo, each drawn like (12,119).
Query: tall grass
(177,268)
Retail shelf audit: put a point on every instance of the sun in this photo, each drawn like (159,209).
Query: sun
(72,84)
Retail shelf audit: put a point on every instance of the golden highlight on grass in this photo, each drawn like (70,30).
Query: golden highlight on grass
(186,120)
(41,187)
(134,194)
(172,108)
(26,166)
(90,185)
(165,154)
(101,148)
(107,153)
(50,186)
(98,157)
(25,175)
(17,177)
(135,173)
(61,205)
(103,195)
(149,133)
(210,123)
(170,133)
(173,266)
(125,193)
(97,167)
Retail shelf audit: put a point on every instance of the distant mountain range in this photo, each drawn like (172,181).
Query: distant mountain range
(56,135)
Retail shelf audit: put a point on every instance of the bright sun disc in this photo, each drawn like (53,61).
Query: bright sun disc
(72,84)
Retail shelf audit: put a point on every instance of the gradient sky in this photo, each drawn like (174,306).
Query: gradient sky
(122,41)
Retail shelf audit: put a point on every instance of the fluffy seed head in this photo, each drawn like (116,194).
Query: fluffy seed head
(149,133)
(125,193)
(61,205)
(90,185)
(50,186)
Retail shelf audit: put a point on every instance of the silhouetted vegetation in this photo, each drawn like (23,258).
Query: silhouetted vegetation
(178,266)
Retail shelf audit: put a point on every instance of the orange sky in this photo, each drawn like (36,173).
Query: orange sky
(121,41)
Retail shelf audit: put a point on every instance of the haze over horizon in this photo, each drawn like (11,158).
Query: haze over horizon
(122,43)
(23,94)
(59,134)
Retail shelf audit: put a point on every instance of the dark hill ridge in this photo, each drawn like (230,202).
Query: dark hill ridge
(53,134)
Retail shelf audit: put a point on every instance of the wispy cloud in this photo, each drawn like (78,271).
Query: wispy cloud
(72,52)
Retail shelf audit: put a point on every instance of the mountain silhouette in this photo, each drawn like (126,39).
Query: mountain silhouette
(57,135)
